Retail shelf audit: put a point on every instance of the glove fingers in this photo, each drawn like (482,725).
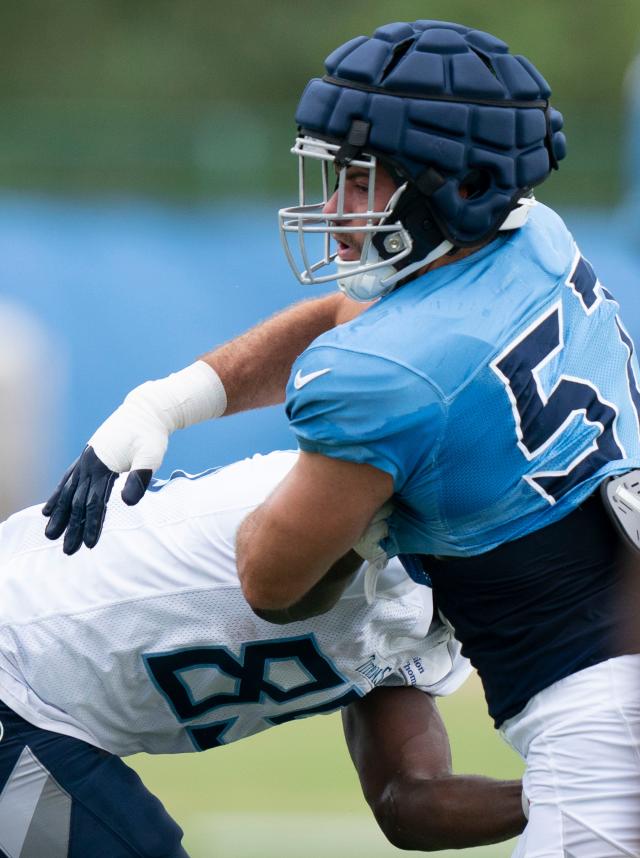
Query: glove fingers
(75,527)
(59,516)
(50,505)
(136,485)
(96,509)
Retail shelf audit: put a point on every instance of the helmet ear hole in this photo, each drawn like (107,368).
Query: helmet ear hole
(475,184)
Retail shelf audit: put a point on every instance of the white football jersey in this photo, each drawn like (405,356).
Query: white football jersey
(146,643)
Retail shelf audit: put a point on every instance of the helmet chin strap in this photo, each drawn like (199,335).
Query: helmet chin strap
(372,283)
(367,285)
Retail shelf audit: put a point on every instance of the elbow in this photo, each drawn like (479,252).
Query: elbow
(273,579)
(400,821)
(263,588)
(387,809)
(265,601)
(276,617)
(265,595)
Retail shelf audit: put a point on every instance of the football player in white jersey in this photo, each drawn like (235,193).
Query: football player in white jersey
(147,644)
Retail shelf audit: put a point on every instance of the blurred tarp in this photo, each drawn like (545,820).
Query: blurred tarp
(195,98)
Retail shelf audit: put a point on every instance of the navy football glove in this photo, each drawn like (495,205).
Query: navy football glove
(79,503)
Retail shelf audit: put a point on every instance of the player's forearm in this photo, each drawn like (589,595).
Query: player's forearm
(399,746)
(314,517)
(450,812)
(254,367)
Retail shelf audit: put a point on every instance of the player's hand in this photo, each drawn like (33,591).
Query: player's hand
(134,439)
(79,503)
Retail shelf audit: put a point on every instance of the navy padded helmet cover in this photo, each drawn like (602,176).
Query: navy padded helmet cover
(422,87)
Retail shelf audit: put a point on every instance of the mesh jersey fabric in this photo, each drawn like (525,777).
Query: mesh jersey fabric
(147,644)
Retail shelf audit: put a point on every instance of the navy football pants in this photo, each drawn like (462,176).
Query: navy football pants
(63,798)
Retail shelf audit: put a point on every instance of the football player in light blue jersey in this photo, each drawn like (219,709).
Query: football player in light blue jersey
(491,390)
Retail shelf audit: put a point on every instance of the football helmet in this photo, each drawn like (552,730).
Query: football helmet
(464,128)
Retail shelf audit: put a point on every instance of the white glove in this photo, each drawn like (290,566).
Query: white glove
(369,548)
(136,435)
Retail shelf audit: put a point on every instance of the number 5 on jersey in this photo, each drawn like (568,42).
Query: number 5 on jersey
(541,417)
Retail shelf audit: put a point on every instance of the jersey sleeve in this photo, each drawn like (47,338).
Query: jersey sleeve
(364,408)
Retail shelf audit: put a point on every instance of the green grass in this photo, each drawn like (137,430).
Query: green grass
(291,792)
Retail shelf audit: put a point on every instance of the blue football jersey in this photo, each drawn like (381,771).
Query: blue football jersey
(497,391)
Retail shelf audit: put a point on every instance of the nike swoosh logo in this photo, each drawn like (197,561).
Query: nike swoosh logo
(300,380)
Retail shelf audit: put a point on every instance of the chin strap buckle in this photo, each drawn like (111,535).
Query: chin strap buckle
(621,498)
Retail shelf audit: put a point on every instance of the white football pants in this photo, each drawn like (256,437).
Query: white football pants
(580,739)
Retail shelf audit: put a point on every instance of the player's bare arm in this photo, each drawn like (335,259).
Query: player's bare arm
(250,371)
(254,367)
(321,597)
(318,512)
(399,746)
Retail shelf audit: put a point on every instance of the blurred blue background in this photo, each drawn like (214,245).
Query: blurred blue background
(129,290)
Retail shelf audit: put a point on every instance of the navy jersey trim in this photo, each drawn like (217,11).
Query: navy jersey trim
(538,608)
